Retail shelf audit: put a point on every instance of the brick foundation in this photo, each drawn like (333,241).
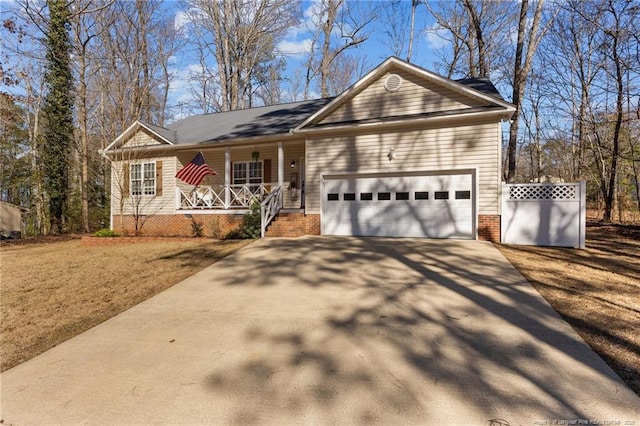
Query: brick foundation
(284,225)
(179,225)
(313,224)
(489,228)
(294,225)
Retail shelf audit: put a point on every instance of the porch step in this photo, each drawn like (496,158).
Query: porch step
(287,225)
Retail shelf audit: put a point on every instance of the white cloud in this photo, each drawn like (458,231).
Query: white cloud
(437,36)
(181,19)
(294,48)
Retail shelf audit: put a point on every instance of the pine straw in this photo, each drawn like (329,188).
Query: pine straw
(596,290)
(52,291)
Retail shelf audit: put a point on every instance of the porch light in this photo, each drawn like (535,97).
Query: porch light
(392,154)
(293,164)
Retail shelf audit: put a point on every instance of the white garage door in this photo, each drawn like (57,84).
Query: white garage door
(437,206)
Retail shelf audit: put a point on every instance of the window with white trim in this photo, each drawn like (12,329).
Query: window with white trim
(143,178)
(247,172)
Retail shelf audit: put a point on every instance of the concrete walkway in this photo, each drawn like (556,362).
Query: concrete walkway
(330,331)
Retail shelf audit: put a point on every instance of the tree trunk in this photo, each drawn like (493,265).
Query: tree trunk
(615,152)
(483,69)
(520,73)
(414,5)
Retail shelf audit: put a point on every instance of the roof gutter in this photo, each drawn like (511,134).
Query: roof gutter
(280,137)
(506,113)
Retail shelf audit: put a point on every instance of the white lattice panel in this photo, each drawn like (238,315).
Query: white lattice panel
(544,214)
(543,192)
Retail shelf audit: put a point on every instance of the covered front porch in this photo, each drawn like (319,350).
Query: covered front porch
(270,174)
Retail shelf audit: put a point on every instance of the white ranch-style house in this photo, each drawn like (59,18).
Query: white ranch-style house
(403,152)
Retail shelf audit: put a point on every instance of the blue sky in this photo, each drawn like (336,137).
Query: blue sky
(296,43)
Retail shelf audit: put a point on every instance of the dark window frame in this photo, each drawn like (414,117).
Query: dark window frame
(463,195)
(438,195)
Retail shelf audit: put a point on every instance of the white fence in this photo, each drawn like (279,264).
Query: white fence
(208,197)
(544,214)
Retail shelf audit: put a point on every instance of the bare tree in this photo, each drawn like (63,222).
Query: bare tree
(617,24)
(412,28)
(237,41)
(87,22)
(478,33)
(529,35)
(568,56)
(338,27)
(395,19)
(21,67)
(532,120)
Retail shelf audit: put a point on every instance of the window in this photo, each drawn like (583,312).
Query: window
(143,179)
(384,196)
(366,196)
(441,195)
(402,195)
(349,196)
(422,195)
(463,195)
(247,172)
(333,196)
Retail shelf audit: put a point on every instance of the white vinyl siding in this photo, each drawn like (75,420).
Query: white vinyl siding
(147,204)
(465,145)
(415,96)
(141,138)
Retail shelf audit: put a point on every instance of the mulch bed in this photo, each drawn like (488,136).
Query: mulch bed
(41,239)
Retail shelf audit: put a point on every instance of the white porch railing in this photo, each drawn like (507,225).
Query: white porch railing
(207,197)
(269,208)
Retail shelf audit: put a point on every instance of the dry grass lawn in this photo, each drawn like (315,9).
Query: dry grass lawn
(55,290)
(596,290)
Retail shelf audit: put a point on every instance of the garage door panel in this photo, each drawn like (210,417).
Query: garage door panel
(437,206)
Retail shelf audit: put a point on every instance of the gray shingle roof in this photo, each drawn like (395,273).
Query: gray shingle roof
(482,84)
(169,135)
(263,121)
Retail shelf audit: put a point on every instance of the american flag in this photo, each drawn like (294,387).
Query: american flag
(195,171)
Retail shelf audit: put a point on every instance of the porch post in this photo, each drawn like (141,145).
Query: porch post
(227,176)
(281,169)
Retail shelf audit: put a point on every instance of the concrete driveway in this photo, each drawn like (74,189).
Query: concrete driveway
(330,331)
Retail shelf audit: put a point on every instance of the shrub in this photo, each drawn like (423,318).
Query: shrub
(250,228)
(105,233)
(196,228)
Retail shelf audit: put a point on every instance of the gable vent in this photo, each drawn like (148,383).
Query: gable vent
(392,82)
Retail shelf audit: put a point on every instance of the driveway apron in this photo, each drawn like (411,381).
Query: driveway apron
(318,330)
